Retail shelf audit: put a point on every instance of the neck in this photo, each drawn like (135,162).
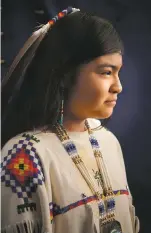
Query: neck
(72,124)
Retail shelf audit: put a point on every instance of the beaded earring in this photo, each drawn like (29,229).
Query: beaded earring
(61,117)
(61,109)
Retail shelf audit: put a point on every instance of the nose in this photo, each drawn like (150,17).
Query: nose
(116,86)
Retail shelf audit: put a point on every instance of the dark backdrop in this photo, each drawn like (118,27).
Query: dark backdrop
(131,119)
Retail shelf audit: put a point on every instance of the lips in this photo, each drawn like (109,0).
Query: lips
(113,100)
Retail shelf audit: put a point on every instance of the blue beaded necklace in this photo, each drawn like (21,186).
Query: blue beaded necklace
(107,205)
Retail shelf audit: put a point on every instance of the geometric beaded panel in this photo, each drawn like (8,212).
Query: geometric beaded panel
(22,169)
(94,142)
(70,148)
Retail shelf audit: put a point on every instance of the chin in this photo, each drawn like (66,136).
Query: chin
(103,114)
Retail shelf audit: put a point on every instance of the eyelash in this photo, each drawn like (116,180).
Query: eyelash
(107,73)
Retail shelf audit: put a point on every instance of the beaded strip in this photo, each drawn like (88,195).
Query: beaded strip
(106,207)
(62,14)
(105,181)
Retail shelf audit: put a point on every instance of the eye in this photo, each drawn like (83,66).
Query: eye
(106,73)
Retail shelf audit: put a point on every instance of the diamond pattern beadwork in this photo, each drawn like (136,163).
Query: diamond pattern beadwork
(22,169)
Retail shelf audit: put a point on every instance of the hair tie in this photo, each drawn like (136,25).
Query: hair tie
(62,14)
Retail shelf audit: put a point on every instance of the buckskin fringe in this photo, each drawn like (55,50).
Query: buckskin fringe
(24,227)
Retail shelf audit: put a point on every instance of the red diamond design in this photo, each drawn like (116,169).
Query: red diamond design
(22,167)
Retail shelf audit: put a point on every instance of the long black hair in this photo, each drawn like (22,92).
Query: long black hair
(73,40)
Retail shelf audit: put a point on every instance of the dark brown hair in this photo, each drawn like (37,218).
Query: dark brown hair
(34,102)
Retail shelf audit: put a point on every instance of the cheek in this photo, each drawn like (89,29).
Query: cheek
(94,91)
(88,98)
(90,91)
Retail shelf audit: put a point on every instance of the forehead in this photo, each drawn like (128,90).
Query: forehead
(114,59)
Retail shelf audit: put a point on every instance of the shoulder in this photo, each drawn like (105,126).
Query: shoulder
(109,142)
(107,138)
(23,141)
(21,176)
(29,141)
(36,146)
(110,136)
(106,133)
(20,156)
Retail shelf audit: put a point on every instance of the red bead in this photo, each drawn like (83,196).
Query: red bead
(51,22)
(61,14)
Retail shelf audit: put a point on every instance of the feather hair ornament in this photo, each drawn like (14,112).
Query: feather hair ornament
(15,76)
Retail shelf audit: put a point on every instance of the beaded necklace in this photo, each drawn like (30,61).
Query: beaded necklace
(108,224)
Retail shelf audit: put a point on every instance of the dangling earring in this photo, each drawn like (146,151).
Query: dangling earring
(61,110)
(61,115)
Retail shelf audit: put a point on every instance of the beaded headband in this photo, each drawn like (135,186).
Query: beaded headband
(62,14)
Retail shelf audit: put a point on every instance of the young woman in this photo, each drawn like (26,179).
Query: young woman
(64,172)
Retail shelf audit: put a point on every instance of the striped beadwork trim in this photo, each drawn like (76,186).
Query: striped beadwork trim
(56,209)
(62,14)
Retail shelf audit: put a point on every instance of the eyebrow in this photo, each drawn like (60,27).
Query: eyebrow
(108,65)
